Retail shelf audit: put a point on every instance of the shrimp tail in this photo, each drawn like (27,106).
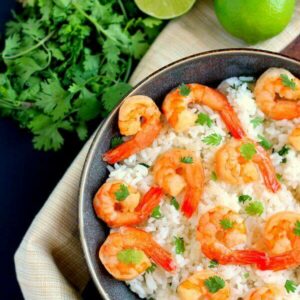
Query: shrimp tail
(267,170)
(149,201)
(190,202)
(232,122)
(248,257)
(121,152)
(160,256)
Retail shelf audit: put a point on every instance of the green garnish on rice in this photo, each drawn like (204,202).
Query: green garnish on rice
(213,139)
(179,245)
(156,213)
(290,286)
(204,119)
(255,208)
(214,284)
(248,151)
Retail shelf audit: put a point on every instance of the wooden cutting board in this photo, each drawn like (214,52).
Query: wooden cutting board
(200,31)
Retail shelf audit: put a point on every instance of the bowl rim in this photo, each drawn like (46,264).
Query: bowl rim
(102,128)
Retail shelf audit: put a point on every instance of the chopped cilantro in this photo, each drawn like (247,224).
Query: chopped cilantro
(226,224)
(246,275)
(186,160)
(144,165)
(213,139)
(184,90)
(204,119)
(290,286)
(179,245)
(288,82)
(257,121)
(279,177)
(264,142)
(255,208)
(244,198)
(248,150)
(130,256)
(214,284)
(214,176)
(156,213)
(284,150)
(284,160)
(174,203)
(116,141)
(122,193)
(213,264)
(152,268)
(297,228)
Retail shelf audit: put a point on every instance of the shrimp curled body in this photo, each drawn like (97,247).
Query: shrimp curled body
(139,117)
(129,211)
(268,292)
(233,168)
(193,288)
(176,108)
(135,240)
(278,100)
(178,170)
(218,241)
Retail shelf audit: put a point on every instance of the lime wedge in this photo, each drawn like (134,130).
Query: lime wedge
(165,9)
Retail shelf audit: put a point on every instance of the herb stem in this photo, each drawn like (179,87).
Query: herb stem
(39,44)
(128,70)
(120,2)
(93,21)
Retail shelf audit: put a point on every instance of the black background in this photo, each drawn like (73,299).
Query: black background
(27,177)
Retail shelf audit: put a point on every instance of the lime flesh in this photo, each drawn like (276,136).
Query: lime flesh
(165,9)
(254,20)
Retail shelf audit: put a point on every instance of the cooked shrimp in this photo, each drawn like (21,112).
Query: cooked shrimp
(268,292)
(127,253)
(139,117)
(277,94)
(294,138)
(194,288)
(176,108)
(282,240)
(219,231)
(233,168)
(179,170)
(118,204)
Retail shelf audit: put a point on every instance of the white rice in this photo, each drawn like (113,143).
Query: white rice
(161,284)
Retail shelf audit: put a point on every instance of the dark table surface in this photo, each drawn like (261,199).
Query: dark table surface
(26,179)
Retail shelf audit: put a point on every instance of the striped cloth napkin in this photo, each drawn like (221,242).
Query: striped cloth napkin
(49,262)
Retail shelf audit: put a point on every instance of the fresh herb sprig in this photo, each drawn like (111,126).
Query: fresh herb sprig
(66,63)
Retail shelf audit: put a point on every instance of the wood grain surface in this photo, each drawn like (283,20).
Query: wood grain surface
(293,50)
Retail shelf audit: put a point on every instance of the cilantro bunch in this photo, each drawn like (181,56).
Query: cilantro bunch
(67,62)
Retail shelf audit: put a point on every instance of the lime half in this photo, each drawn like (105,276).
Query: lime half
(165,9)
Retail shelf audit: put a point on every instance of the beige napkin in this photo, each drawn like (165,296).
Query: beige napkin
(49,261)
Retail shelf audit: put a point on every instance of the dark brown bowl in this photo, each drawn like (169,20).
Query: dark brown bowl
(208,68)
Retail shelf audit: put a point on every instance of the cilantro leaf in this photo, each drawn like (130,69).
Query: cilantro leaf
(116,141)
(297,228)
(213,139)
(179,245)
(288,82)
(186,159)
(213,264)
(255,208)
(264,142)
(213,176)
(248,151)
(284,150)
(279,177)
(204,119)
(257,121)
(174,203)
(290,286)
(244,198)
(214,284)
(184,90)
(130,256)
(152,268)
(226,224)
(156,213)
(122,193)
